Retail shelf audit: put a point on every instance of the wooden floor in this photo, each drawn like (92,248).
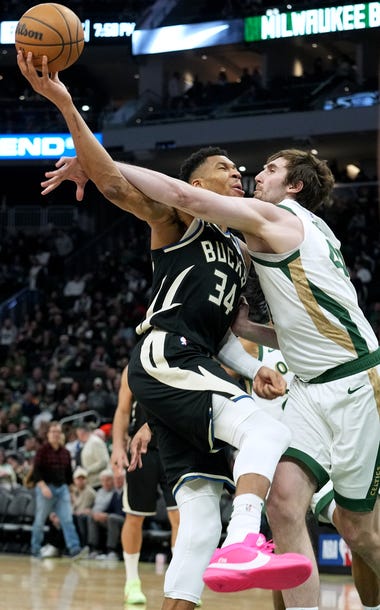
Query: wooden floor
(60,584)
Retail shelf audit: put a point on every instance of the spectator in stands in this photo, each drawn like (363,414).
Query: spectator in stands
(8,335)
(98,398)
(94,455)
(63,354)
(29,447)
(97,522)
(8,478)
(100,361)
(82,496)
(17,463)
(30,405)
(52,475)
(82,500)
(36,381)
(73,289)
(102,500)
(17,380)
(82,304)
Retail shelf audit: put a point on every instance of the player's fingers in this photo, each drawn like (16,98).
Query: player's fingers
(47,190)
(44,66)
(62,161)
(21,60)
(80,193)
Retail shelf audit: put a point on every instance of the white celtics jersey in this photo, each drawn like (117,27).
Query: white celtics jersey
(313,303)
(274,359)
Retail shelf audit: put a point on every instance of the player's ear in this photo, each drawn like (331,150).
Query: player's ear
(197,182)
(295,188)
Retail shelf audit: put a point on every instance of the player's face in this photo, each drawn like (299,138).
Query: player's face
(270,182)
(220,175)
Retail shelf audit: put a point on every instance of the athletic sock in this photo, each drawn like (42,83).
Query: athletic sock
(131,563)
(371,607)
(245,518)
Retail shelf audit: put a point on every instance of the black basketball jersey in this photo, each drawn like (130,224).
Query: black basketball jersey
(196,287)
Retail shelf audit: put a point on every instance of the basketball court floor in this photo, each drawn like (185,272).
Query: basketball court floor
(61,584)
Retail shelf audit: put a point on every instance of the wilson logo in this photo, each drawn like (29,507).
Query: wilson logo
(22,30)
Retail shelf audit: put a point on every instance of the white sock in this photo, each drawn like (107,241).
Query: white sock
(371,607)
(131,563)
(245,518)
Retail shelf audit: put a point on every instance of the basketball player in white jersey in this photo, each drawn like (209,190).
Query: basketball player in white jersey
(323,504)
(334,400)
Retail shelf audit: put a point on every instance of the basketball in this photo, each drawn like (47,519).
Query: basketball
(53,30)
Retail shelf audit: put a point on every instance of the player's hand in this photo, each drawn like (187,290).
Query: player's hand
(68,168)
(139,446)
(269,383)
(119,461)
(45,84)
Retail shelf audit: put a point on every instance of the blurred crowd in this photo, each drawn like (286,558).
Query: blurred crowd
(63,357)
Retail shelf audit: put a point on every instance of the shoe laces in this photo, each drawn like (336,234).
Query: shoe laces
(267,546)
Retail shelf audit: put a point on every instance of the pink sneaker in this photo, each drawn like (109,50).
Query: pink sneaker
(252,564)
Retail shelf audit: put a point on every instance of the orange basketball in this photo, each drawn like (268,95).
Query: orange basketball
(53,30)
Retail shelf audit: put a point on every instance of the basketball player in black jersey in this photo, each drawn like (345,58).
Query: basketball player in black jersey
(195,406)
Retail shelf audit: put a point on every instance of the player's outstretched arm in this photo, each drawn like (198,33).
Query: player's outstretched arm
(95,161)
(279,229)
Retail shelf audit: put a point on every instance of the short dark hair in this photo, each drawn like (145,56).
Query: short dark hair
(195,160)
(316,176)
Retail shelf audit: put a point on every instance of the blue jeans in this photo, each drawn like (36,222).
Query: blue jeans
(60,503)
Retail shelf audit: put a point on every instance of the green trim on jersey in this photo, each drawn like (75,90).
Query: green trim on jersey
(357,506)
(353,341)
(278,264)
(349,368)
(260,354)
(285,207)
(303,288)
(317,470)
(341,313)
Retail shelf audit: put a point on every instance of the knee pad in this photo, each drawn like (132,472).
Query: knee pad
(262,442)
(198,535)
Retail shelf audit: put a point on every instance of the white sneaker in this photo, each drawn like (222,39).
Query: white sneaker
(48,551)
(112,556)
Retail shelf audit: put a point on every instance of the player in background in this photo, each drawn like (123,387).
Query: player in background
(141,488)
